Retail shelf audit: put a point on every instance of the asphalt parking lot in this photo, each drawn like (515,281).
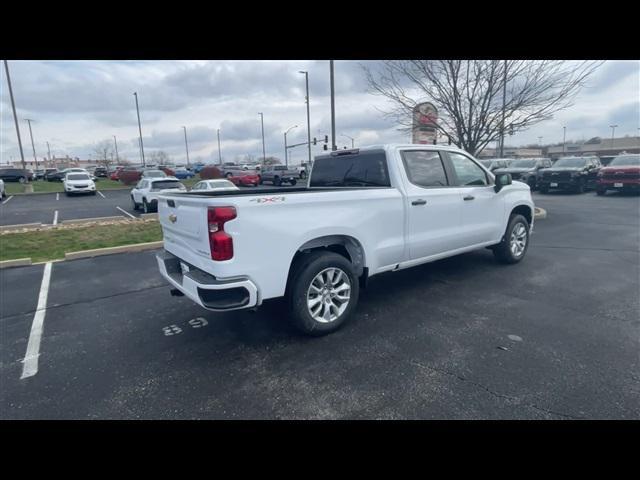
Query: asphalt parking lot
(554,337)
(42,208)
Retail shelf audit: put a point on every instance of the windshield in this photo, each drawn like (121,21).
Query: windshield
(77,176)
(631,160)
(570,162)
(165,184)
(523,164)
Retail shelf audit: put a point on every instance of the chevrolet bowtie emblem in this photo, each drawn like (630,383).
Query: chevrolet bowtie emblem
(173,218)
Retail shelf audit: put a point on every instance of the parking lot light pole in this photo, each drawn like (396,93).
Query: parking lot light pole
(186,145)
(564,138)
(352,139)
(48,152)
(613,130)
(15,117)
(306,76)
(219,152)
(29,120)
(144,164)
(504,101)
(333,109)
(540,141)
(115,142)
(286,161)
(264,155)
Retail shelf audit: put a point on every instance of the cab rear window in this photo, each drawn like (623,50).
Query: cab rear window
(165,185)
(351,169)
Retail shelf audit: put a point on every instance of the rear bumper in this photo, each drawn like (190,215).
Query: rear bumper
(206,290)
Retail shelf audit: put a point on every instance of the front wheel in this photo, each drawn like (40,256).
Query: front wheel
(293,182)
(580,188)
(601,191)
(515,242)
(323,292)
(135,205)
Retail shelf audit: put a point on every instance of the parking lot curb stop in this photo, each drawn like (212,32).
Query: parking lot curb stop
(136,247)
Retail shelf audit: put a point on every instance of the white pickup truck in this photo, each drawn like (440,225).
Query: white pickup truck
(365,211)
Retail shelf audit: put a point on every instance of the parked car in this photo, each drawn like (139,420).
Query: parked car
(38,173)
(145,194)
(278,174)
(526,170)
(495,164)
(3,193)
(115,174)
(59,175)
(16,175)
(48,172)
(182,173)
(570,173)
(366,211)
(198,166)
(247,178)
(100,172)
(154,174)
(78,182)
(622,174)
(130,175)
(218,185)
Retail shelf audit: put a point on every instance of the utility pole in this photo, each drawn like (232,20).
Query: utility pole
(186,145)
(29,120)
(115,143)
(264,155)
(219,154)
(504,101)
(135,94)
(564,138)
(306,76)
(15,117)
(48,152)
(333,110)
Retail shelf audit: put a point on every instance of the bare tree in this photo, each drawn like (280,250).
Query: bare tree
(272,161)
(103,153)
(160,157)
(469,94)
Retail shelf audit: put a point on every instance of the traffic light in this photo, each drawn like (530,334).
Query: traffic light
(324,147)
(314,140)
(326,139)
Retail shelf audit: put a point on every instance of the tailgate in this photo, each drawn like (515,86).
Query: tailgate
(184,226)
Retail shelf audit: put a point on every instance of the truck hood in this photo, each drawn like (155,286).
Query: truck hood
(514,170)
(562,169)
(622,168)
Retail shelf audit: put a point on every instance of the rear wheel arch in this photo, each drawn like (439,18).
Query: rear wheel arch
(345,245)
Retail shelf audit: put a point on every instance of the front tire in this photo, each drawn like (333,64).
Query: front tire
(323,292)
(135,205)
(145,206)
(515,243)
(293,182)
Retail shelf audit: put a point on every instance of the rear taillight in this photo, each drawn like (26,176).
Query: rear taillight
(220,242)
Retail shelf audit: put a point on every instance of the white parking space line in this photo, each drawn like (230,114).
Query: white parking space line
(55,218)
(125,212)
(30,362)
(57,196)
(100,193)
(7,200)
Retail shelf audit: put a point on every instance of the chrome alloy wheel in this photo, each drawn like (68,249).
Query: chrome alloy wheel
(518,240)
(328,295)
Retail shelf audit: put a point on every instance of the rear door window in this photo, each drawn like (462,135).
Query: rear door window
(360,169)
(425,168)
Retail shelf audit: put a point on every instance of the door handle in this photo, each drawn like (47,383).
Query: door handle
(469,197)
(420,201)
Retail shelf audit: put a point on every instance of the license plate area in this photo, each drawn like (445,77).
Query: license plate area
(553,184)
(618,185)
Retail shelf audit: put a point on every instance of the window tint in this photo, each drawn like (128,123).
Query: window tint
(467,171)
(363,169)
(425,169)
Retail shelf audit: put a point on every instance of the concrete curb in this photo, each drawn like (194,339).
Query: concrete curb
(540,213)
(7,228)
(95,219)
(18,262)
(136,247)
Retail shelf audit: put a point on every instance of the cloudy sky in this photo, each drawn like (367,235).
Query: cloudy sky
(76,104)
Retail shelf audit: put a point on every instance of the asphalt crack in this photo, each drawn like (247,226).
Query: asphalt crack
(517,401)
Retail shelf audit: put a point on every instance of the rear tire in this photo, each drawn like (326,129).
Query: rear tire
(515,243)
(327,310)
(293,182)
(601,191)
(580,188)
(277,182)
(303,175)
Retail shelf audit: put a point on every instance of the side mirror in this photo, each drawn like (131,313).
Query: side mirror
(502,180)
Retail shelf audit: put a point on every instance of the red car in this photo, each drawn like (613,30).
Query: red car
(246,178)
(623,173)
(115,175)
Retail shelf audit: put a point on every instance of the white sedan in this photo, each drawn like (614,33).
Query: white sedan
(217,185)
(78,182)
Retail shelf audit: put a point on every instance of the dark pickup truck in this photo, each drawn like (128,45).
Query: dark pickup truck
(570,173)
